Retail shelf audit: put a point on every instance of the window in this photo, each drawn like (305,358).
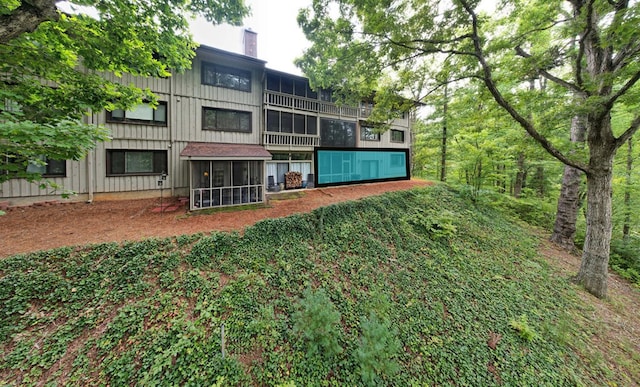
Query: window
(48,167)
(222,76)
(52,168)
(337,133)
(136,162)
(397,135)
(226,120)
(286,85)
(368,133)
(141,114)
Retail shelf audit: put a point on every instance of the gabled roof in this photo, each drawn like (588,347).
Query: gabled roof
(224,151)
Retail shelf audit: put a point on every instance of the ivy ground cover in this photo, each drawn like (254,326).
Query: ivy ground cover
(418,287)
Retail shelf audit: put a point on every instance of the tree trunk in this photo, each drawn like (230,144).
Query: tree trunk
(443,153)
(626,227)
(26,18)
(520,177)
(564,230)
(593,272)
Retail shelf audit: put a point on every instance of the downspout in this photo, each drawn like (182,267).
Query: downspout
(172,105)
(263,130)
(90,157)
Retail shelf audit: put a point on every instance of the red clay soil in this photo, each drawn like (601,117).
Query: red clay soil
(26,229)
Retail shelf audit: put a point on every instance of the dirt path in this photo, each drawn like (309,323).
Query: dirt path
(35,228)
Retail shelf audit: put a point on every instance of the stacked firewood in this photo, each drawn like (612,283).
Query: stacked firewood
(293,180)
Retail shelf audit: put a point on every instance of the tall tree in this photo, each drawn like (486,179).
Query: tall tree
(564,228)
(50,64)
(355,41)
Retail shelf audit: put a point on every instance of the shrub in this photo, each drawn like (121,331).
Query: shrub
(318,323)
(377,350)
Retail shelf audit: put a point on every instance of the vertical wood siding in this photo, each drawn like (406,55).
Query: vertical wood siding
(76,181)
(184,124)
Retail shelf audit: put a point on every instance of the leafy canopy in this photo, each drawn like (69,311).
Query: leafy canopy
(51,64)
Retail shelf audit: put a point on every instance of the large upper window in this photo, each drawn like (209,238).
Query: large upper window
(141,114)
(288,85)
(229,77)
(397,135)
(337,133)
(136,162)
(226,120)
(368,133)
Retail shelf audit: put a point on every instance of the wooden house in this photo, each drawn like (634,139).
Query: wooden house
(227,132)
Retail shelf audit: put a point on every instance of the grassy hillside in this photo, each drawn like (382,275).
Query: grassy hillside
(408,288)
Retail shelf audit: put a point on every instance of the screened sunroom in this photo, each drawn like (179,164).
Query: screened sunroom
(225,174)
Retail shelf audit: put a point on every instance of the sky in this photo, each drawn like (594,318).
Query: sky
(280,40)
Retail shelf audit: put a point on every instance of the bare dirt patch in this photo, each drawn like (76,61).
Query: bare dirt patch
(27,229)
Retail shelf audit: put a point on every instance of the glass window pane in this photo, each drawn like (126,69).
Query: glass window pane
(397,135)
(226,120)
(244,121)
(337,133)
(37,167)
(117,114)
(141,112)
(116,162)
(160,113)
(139,162)
(57,167)
(222,76)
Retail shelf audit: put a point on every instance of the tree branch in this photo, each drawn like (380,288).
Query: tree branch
(621,59)
(550,76)
(26,18)
(624,137)
(630,83)
(499,98)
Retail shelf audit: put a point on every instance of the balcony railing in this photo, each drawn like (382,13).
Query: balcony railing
(290,140)
(272,98)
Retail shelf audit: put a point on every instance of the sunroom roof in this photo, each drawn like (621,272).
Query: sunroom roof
(224,151)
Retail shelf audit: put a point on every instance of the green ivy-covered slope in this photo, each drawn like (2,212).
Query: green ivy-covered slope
(408,288)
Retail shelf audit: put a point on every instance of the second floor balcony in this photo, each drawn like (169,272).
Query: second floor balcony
(294,102)
(290,141)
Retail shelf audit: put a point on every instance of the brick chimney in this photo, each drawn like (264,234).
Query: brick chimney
(250,43)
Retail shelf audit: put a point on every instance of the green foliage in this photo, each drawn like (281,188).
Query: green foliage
(514,74)
(318,322)
(293,294)
(68,50)
(522,327)
(377,351)
(625,259)
(435,224)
